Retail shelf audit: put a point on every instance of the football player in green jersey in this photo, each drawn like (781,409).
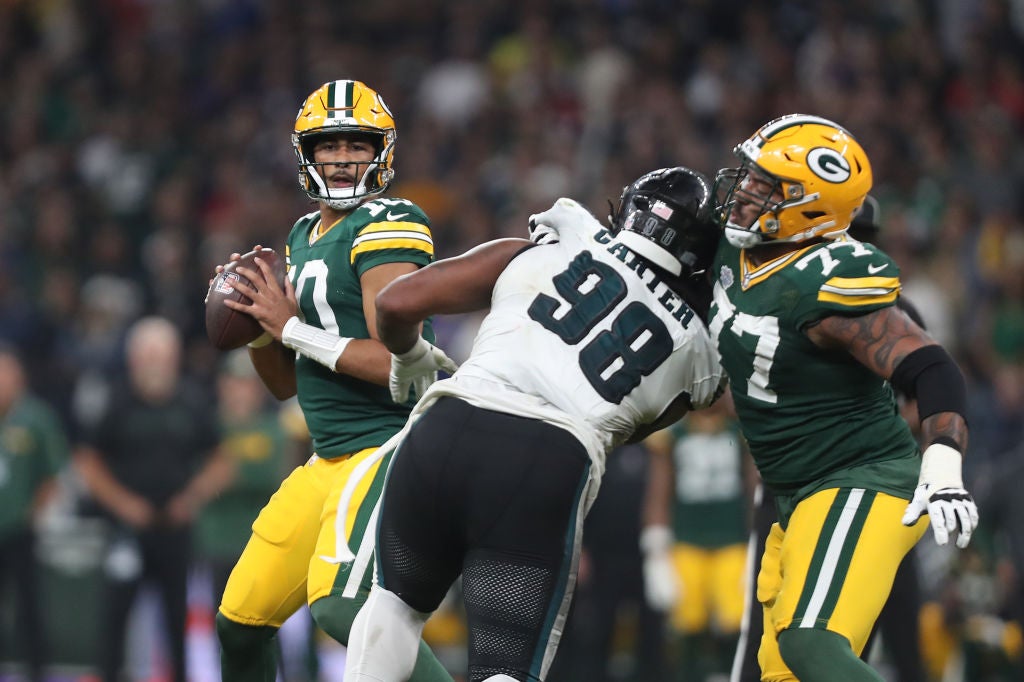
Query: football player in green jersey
(33,449)
(805,322)
(694,539)
(321,344)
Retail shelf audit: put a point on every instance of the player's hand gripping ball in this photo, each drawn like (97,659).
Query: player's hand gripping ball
(226,328)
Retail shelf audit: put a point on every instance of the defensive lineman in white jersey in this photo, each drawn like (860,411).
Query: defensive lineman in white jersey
(593,386)
(591,340)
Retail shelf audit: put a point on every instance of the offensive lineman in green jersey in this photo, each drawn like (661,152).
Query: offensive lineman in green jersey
(321,344)
(805,322)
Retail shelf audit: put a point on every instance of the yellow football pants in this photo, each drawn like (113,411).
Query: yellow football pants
(712,588)
(832,568)
(293,552)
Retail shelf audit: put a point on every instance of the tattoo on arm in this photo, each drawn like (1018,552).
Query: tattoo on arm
(949,424)
(879,340)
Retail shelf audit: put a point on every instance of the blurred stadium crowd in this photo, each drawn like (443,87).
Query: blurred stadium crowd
(142,141)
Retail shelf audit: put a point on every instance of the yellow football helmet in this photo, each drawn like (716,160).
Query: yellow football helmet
(338,107)
(806,174)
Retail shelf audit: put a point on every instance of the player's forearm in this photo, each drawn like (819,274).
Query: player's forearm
(455,285)
(945,425)
(659,493)
(931,377)
(45,494)
(276,366)
(400,309)
(366,359)
(397,335)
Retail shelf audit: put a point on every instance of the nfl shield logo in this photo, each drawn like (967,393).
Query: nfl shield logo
(223,283)
(725,276)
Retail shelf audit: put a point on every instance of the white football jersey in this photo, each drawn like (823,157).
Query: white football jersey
(584,334)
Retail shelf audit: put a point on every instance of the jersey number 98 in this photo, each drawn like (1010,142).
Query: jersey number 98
(618,358)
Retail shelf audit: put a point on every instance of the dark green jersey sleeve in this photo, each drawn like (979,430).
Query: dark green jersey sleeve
(845,277)
(393,231)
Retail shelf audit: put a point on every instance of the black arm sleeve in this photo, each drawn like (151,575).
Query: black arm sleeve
(931,376)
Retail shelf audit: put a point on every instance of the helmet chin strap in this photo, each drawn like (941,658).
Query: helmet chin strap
(344,198)
(742,237)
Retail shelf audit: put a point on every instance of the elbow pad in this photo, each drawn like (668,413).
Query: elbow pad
(933,378)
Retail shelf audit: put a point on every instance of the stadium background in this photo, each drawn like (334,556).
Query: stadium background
(144,140)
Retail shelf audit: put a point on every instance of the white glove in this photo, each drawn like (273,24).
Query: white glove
(661,586)
(940,492)
(541,233)
(564,215)
(417,368)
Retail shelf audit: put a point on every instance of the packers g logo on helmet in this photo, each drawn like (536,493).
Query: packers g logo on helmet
(806,174)
(828,165)
(337,107)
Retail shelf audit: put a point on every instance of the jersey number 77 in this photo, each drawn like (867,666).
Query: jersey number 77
(763,329)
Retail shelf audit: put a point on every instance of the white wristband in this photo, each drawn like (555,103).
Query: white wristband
(656,539)
(313,342)
(941,467)
(264,339)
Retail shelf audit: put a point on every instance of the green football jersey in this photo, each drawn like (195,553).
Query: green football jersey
(32,449)
(345,414)
(813,418)
(258,448)
(710,508)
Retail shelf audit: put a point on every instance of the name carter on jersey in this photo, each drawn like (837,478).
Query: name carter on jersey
(669,299)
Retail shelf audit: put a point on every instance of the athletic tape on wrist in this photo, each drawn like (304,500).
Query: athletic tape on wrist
(942,466)
(315,343)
